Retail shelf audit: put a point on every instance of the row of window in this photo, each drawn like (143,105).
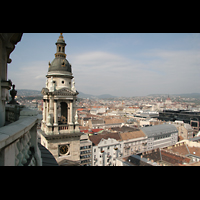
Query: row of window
(85,147)
(108,147)
(59,49)
(85,161)
(62,82)
(160,137)
(85,156)
(88,151)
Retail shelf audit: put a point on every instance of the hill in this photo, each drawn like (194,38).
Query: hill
(186,95)
(26,92)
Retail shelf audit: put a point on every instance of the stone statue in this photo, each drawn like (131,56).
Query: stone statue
(51,88)
(76,118)
(13,93)
(73,86)
(47,83)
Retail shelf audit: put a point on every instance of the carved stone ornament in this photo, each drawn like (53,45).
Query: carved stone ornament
(65,92)
(45,91)
(13,93)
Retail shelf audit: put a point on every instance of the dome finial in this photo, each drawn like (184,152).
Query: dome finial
(61,36)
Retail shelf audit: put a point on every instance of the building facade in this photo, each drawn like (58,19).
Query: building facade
(85,150)
(59,128)
(133,142)
(192,118)
(106,148)
(7,45)
(160,136)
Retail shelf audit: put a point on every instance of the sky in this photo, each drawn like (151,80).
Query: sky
(119,64)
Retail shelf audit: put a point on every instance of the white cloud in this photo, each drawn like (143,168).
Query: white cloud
(31,75)
(157,71)
(99,72)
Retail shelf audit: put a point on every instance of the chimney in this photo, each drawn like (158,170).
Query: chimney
(152,160)
(148,159)
(141,156)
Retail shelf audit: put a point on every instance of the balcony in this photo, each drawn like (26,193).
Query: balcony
(19,143)
(144,143)
(62,127)
(127,146)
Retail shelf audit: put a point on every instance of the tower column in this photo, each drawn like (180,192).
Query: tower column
(51,105)
(47,109)
(55,113)
(68,113)
(44,110)
(71,112)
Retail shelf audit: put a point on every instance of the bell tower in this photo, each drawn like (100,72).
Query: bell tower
(59,128)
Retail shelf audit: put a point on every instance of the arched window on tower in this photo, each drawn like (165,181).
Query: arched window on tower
(63,113)
(59,48)
(63,49)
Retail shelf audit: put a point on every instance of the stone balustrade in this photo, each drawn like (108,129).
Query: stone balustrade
(19,143)
(63,127)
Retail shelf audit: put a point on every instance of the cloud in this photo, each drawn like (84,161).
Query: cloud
(30,75)
(100,72)
(155,71)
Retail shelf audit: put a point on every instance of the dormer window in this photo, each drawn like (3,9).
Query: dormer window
(63,64)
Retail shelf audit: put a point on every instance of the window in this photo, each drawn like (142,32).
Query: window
(62,82)
(94,150)
(59,48)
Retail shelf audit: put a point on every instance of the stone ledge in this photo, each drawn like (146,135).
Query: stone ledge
(15,130)
(59,136)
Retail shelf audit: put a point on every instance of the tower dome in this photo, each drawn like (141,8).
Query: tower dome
(60,63)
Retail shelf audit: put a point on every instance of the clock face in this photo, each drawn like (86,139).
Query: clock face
(63,149)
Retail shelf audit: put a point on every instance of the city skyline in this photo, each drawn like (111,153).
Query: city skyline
(120,64)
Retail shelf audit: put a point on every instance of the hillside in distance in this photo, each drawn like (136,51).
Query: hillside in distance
(26,92)
(186,95)
(102,96)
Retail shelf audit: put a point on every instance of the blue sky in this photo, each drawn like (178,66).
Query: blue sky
(120,64)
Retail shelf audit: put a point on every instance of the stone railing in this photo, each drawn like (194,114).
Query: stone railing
(19,142)
(62,127)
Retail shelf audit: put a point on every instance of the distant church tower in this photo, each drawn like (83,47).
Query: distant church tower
(59,128)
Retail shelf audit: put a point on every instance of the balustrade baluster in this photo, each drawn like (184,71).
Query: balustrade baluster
(20,155)
(24,148)
(16,153)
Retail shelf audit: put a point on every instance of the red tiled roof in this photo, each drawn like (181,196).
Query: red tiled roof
(131,135)
(97,130)
(173,159)
(97,138)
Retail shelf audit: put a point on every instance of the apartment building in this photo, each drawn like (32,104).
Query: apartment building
(85,150)
(133,142)
(106,148)
(160,136)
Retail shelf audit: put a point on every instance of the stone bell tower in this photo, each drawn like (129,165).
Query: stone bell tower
(59,128)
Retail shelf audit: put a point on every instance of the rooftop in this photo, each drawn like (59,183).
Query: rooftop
(136,160)
(47,157)
(161,129)
(132,135)
(97,138)
(114,121)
